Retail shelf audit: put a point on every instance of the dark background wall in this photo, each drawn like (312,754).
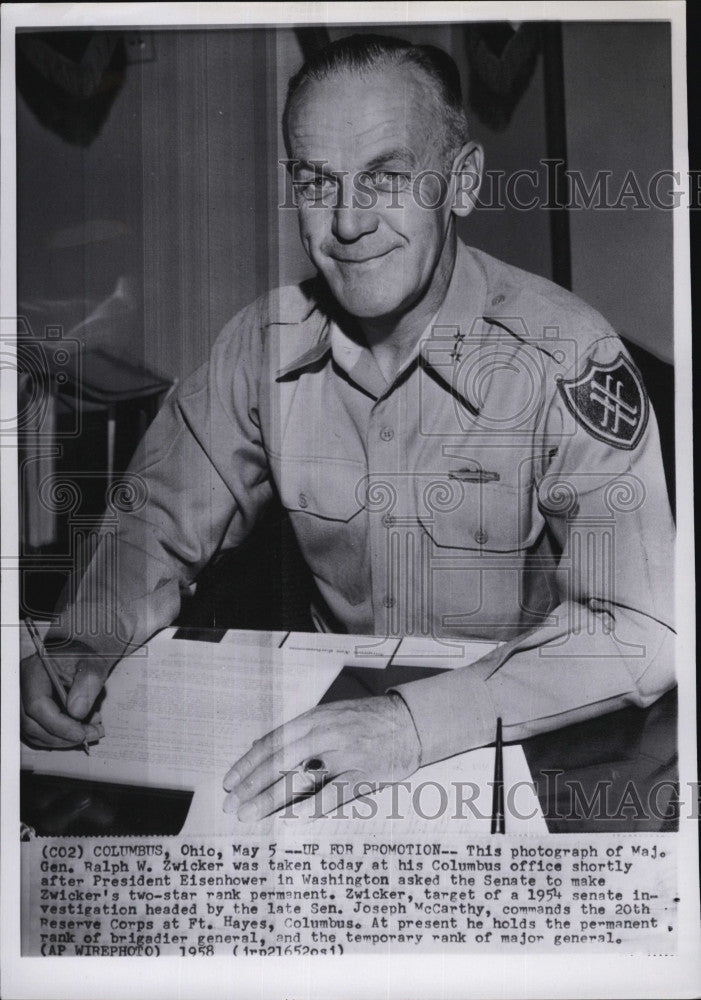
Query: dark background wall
(619,118)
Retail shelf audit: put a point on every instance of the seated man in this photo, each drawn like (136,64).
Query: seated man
(464,449)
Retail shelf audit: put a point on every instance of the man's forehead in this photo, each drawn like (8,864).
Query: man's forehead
(357,114)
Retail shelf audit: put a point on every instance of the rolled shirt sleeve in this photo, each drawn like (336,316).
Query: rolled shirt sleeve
(197,483)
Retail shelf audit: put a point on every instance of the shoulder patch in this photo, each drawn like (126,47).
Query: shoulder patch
(609,401)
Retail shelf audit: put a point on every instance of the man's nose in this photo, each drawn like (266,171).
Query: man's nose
(350,221)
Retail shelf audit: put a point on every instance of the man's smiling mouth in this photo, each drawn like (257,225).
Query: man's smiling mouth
(361,260)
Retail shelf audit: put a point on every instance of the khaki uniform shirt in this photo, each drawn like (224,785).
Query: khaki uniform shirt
(506,485)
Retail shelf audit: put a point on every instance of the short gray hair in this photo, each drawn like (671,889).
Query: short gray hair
(359,53)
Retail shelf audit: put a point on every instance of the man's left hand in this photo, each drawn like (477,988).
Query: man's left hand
(365,742)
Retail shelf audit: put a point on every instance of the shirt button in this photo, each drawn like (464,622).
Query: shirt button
(389,602)
(481,537)
(386,433)
(497,300)
(388,520)
(303,500)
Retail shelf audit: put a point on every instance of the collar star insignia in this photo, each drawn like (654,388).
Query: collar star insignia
(458,337)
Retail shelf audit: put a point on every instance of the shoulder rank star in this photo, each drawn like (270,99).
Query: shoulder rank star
(609,401)
(457,346)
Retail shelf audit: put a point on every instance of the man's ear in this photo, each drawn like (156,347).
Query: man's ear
(467,178)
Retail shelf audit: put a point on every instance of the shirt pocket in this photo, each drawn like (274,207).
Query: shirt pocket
(481,517)
(324,500)
(321,488)
(480,540)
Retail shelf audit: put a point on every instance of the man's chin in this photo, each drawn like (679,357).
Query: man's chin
(364,306)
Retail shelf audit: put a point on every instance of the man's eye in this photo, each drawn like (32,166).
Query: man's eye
(388,180)
(315,189)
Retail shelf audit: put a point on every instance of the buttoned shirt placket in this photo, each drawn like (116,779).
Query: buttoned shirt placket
(386,457)
(386,436)
(399,565)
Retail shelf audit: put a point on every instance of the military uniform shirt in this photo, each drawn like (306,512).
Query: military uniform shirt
(506,485)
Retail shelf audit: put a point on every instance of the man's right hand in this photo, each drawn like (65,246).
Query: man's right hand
(44,722)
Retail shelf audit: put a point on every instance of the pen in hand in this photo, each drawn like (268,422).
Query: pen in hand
(50,670)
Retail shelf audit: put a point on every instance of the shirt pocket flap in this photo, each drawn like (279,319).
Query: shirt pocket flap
(324,488)
(484,517)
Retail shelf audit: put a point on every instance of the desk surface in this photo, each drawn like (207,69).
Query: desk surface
(615,773)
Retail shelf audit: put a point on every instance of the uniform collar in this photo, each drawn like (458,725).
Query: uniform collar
(439,351)
(311,323)
(459,321)
(309,360)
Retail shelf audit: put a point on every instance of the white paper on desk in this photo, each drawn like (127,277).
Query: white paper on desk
(179,713)
(375,651)
(453,796)
(356,650)
(446,653)
(183,709)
